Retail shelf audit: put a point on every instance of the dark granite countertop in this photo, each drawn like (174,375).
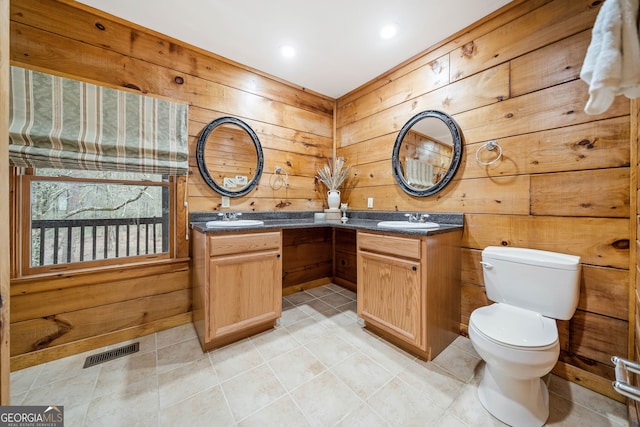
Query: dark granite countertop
(358,220)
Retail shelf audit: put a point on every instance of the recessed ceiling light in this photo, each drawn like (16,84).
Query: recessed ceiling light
(388,31)
(287,51)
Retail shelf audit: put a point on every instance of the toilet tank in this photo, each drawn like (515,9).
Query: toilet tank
(541,281)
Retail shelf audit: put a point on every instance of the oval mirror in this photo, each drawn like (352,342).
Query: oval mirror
(427,153)
(229,156)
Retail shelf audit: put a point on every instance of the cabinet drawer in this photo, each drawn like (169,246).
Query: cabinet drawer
(384,244)
(242,243)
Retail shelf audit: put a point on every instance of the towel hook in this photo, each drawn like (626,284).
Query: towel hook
(489,146)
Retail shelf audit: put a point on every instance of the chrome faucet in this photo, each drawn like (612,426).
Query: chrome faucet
(229,216)
(417,217)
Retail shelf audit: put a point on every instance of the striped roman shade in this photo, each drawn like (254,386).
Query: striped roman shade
(62,123)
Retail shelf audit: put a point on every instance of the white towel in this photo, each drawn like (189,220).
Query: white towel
(612,63)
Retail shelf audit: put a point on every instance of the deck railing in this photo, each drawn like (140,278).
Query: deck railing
(76,240)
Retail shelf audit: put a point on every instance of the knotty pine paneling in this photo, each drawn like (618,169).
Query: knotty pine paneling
(489,87)
(472,297)
(470,261)
(634,276)
(106,67)
(375,150)
(593,145)
(50,303)
(549,108)
(598,345)
(605,291)
(501,17)
(75,312)
(556,63)
(63,328)
(5,210)
(236,102)
(306,256)
(309,276)
(272,136)
(480,195)
(294,125)
(562,184)
(581,193)
(598,241)
(488,76)
(551,22)
(111,274)
(425,79)
(345,258)
(100,29)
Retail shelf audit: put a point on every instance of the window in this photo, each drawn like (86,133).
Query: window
(66,219)
(77,219)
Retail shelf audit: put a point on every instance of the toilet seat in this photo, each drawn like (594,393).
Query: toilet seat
(514,327)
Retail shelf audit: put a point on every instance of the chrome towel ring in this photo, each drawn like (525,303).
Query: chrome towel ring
(489,146)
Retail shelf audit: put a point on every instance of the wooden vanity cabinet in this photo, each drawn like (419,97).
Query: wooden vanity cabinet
(409,289)
(237,285)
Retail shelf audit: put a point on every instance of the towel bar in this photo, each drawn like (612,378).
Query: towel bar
(621,384)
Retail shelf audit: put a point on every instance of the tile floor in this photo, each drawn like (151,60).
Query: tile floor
(317,368)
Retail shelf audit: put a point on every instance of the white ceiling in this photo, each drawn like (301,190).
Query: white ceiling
(337,43)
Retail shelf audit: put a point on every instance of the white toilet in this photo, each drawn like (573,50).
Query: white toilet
(517,336)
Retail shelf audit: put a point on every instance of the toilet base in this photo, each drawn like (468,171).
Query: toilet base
(515,402)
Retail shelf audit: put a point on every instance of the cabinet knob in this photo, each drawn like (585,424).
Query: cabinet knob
(414,268)
(277,255)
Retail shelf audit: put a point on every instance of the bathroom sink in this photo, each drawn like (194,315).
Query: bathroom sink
(234,223)
(407,224)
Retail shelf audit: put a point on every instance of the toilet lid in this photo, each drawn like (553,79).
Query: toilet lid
(515,326)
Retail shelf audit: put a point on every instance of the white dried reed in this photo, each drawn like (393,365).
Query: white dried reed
(334,173)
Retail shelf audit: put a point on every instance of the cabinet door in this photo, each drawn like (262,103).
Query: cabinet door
(246,290)
(389,295)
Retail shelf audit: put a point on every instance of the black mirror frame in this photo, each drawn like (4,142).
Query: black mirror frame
(455,160)
(202,140)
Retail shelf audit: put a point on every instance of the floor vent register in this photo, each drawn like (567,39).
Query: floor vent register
(106,356)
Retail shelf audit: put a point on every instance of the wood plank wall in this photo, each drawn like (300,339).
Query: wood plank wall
(306,258)
(562,184)
(56,316)
(634,267)
(4,207)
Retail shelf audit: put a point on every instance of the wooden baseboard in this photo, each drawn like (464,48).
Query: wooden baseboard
(306,285)
(58,352)
(587,379)
(464,330)
(319,282)
(345,284)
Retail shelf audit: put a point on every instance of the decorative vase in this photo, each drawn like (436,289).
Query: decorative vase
(333,198)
